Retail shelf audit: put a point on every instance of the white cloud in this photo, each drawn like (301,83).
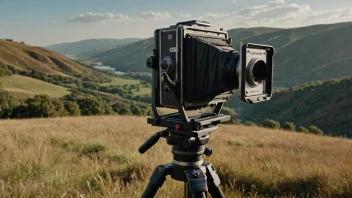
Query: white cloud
(155,15)
(91,17)
(261,15)
(277,1)
(332,14)
(234,1)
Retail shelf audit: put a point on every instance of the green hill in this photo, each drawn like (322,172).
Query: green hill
(23,87)
(324,104)
(87,48)
(132,57)
(304,54)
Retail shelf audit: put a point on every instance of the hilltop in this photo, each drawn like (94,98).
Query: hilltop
(28,58)
(325,104)
(304,54)
(132,57)
(98,157)
(89,47)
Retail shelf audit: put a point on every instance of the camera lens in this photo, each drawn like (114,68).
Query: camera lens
(257,72)
(167,64)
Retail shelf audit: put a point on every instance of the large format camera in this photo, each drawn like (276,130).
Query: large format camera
(195,66)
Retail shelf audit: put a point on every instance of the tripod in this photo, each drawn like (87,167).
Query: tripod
(187,166)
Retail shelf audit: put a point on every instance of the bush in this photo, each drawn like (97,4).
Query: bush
(91,106)
(289,126)
(315,130)
(5,104)
(271,124)
(303,129)
(72,108)
(249,123)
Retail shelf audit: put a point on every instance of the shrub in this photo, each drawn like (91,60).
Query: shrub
(271,124)
(303,129)
(91,106)
(315,130)
(289,126)
(72,108)
(5,103)
(249,123)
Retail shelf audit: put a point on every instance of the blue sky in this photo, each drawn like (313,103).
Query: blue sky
(44,22)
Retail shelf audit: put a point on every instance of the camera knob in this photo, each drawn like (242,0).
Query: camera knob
(151,62)
(208,152)
(167,64)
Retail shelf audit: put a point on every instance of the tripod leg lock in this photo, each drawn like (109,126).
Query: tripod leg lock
(213,176)
(197,181)
(156,180)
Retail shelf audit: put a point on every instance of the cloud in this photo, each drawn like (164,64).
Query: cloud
(332,14)
(155,15)
(91,17)
(277,1)
(266,14)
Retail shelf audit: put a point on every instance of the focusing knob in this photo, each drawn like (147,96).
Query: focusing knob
(152,63)
(167,64)
(208,152)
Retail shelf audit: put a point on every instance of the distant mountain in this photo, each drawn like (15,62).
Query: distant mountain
(28,58)
(304,54)
(90,47)
(324,104)
(132,57)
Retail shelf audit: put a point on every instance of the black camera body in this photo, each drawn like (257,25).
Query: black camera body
(195,66)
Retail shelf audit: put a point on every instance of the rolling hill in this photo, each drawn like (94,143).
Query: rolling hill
(132,57)
(22,87)
(27,58)
(90,47)
(304,54)
(324,104)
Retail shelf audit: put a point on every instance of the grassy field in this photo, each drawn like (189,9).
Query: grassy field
(97,157)
(120,81)
(24,87)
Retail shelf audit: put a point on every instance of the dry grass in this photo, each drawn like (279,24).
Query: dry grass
(97,157)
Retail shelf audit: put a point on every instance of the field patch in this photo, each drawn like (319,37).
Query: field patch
(120,82)
(24,87)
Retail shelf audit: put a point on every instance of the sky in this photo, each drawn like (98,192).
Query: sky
(46,22)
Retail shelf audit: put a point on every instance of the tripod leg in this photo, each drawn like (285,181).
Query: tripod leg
(214,182)
(197,182)
(156,180)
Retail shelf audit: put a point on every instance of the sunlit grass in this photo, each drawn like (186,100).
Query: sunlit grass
(98,157)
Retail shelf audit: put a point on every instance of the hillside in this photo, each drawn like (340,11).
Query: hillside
(22,87)
(87,48)
(28,58)
(132,57)
(98,157)
(324,104)
(304,54)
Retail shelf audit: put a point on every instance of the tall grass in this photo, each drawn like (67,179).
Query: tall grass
(97,157)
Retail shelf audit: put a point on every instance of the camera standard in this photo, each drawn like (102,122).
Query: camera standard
(193,67)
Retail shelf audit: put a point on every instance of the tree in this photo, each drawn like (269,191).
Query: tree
(39,106)
(315,130)
(91,106)
(124,111)
(137,111)
(60,110)
(72,108)
(289,126)
(272,124)
(5,104)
